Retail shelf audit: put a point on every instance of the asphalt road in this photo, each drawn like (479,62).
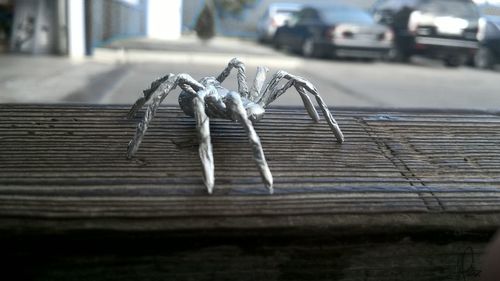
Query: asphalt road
(422,84)
(118,75)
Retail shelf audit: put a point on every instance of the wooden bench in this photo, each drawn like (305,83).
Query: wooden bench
(410,195)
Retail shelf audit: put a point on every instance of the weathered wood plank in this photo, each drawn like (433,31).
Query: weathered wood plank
(64,167)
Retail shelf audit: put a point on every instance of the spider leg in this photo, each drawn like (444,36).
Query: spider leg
(334,126)
(185,81)
(164,84)
(303,85)
(139,103)
(205,146)
(308,103)
(237,110)
(272,92)
(241,76)
(258,83)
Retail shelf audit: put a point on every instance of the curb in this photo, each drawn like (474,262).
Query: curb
(141,56)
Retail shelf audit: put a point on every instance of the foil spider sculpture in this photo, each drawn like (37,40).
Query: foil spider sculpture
(208,99)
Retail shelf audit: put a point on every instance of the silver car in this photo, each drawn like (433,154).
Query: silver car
(275,16)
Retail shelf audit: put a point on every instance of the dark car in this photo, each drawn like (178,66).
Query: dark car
(334,30)
(443,29)
(488,54)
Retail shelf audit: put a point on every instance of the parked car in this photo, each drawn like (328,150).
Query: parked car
(275,16)
(334,30)
(489,43)
(443,29)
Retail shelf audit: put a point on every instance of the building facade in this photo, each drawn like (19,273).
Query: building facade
(76,27)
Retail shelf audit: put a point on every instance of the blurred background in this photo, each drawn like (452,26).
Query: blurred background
(358,53)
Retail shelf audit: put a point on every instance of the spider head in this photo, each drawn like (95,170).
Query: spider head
(255,112)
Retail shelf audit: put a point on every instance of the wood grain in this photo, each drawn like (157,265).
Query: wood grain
(64,168)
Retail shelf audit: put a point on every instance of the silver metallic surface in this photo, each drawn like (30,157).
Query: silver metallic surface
(208,99)
(235,106)
(258,82)
(205,147)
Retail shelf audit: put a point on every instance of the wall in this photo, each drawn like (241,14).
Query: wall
(35,27)
(164,19)
(112,19)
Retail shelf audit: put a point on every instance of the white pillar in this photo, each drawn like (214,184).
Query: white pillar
(76,28)
(164,19)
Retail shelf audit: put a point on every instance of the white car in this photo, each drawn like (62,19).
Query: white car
(275,16)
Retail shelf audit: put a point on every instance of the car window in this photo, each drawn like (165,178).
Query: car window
(346,15)
(450,8)
(308,16)
(281,15)
(294,18)
(492,29)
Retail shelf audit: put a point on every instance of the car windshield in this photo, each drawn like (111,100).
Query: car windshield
(346,15)
(451,8)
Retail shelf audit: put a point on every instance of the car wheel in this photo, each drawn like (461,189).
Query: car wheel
(398,55)
(484,59)
(453,61)
(276,43)
(308,49)
(368,60)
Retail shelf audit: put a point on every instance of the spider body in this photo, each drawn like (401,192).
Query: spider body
(207,99)
(254,111)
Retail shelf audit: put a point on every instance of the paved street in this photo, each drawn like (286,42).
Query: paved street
(349,84)
(119,73)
